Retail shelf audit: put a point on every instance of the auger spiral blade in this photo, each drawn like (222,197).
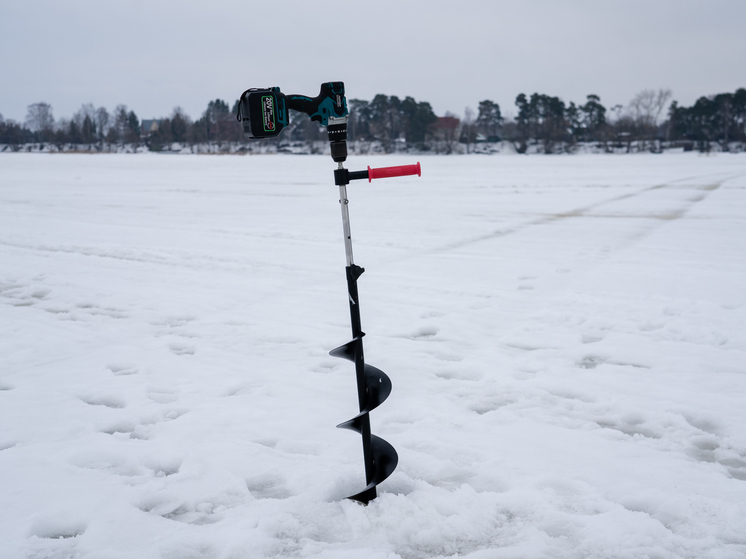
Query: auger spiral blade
(378,389)
(377,383)
(385,460)
(378,386)
(374,386)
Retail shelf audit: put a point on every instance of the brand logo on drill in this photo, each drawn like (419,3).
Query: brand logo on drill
(268,113)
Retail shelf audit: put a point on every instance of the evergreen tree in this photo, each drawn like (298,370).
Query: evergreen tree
(594,117)
(739,113)
(74,135)
(132,134)
(703,116)
(88,130)
(724,122)
(419,120)
(119,130)
(179,125)
(216,124)
(523,123)
(489,120)
(578,129)
(386,120)
(543,118)
(358,126)
(14,135)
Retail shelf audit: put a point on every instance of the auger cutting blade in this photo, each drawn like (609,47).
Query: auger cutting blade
(347,351)
(354,424)
(385,460)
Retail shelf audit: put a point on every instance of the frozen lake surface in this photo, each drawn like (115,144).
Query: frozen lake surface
(566,336)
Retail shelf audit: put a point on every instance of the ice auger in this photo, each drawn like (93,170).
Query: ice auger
(263,114)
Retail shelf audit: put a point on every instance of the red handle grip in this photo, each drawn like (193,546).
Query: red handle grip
(400,171)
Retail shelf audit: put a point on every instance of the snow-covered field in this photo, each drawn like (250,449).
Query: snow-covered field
(566,336)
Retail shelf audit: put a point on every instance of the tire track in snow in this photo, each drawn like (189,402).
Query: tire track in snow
(167,259)
(584,211)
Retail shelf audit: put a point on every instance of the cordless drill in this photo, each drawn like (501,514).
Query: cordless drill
(264,113)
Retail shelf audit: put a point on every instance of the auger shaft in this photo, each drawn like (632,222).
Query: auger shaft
(373,385)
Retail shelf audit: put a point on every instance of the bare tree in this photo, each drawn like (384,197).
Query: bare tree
(102,123)
(468,129)
(645,109)
(40,120)
(617,110)
(647,106)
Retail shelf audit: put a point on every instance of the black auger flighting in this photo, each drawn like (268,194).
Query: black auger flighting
(263,114)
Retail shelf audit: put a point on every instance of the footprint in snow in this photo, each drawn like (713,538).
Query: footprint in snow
(105,400)
(268,486)
(162,395)
(121,369)
(164,468)
(591,338)
(193,509)
(631,428)
(423,333)
(60,526)
(182,349)
(120,428)
(489,405)
(448,357)
(591,361)
(459,374)
(712,449)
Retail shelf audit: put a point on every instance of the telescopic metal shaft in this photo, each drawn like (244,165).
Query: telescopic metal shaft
(343,202)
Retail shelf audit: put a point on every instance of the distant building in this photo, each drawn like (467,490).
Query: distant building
(447,123)
(148,127)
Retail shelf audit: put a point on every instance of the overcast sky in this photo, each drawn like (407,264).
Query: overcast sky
(153,55)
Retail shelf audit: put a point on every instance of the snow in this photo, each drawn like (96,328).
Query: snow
(566,337)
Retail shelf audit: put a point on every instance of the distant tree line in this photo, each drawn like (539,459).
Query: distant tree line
(720,118)
(551,125)
(542,123)
(96,127)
